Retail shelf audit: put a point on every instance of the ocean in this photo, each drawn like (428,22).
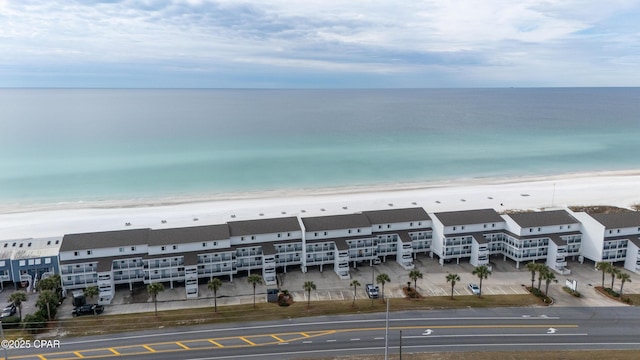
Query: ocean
(77,145)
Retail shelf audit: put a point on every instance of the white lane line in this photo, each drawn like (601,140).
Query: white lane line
(355,339)
(283,343)
(488,335)
(307,342)
(332,340)
(378,338)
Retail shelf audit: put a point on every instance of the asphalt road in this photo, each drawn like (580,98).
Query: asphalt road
(437,330)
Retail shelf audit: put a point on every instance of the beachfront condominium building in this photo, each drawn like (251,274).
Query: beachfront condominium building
(467,234)
(24,262)
(550,236)
(612,238)
(265,244)
(103,259)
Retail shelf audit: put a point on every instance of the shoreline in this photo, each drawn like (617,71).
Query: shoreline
(614,188)
(152,202)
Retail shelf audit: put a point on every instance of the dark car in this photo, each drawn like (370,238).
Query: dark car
(88,309)
(10,310)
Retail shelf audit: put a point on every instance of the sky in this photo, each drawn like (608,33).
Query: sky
(319,43)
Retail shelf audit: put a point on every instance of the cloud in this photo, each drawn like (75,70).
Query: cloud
(484,39)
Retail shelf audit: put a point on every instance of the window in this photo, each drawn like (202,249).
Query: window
(388,226)
(215,243)
(121,250)
(22,263)
(618,231)
(493,225)
(204,244)
(241,238)
(38,261)
(462,227)
(49,242)
(358,230)
(288,234)
(253,237)
(6,244)
(410,224)
(89,252)
(610,231)
(419,223)
(133,248)
(561,227)
(57,242)
(325,233)
(163,248)
(175,247)
(379,226)
(315,234)
(454,228)
(20,245)
(75,253)
(349,231)
(29,245)
(531,230)
(484,226)
(279,235)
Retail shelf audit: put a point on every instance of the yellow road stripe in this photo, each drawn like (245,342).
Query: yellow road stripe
(182,345)
(78,354)
(304,334)
(247,340)
(148,348)
(42,357)
(114,351)
(216,343)
(277,338)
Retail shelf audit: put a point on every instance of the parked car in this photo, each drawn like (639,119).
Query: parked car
(474,289)
(372,291)
(88,309)
(10,310)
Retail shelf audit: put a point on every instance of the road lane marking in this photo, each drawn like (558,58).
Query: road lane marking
(216,343)
(246,340)
(356,339)
(304,334)
(489,335)
(332,340)
(277,338)
(114,351)
(42,357)
(148,348)
(307,342)
(76,353)
(182,345)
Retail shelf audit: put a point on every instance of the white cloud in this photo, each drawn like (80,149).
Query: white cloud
(378,37)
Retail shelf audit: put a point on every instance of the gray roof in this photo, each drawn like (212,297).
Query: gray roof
(469,217)
(106,239)
(336,222)
(397,215)
(620,220)
(188,234)
(263,226)
(543,218)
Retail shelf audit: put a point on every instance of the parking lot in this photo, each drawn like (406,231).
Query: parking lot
(505,279)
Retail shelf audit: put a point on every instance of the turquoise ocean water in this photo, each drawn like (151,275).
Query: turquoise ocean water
(60,145)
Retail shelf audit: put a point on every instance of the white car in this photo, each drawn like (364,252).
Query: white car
(372,291)
(474,289)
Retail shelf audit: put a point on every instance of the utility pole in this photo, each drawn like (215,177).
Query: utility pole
(386,334)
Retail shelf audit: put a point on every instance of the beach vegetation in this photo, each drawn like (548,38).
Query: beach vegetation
(571,291)
(47,304)
(605,267)
(533,268)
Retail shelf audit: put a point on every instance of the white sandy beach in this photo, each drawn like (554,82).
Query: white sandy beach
(619,188)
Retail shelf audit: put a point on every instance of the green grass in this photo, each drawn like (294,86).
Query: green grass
(103,324)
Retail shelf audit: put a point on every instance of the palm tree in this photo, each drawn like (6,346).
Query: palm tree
(542,271)
(453,279)
(308,286)
(46,300)
(255,279)
(17,298)
(624,277)
(154,289)
(91,291)
(414,275)
(213,285)
(382,279)
(355,284)
(614,272)
(548,277)
(533,267)
(482,272)
(605,268)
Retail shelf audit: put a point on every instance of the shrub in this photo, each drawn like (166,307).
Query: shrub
(10,322)
(540,294)
(612,292)
(572,292)
(34,322)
